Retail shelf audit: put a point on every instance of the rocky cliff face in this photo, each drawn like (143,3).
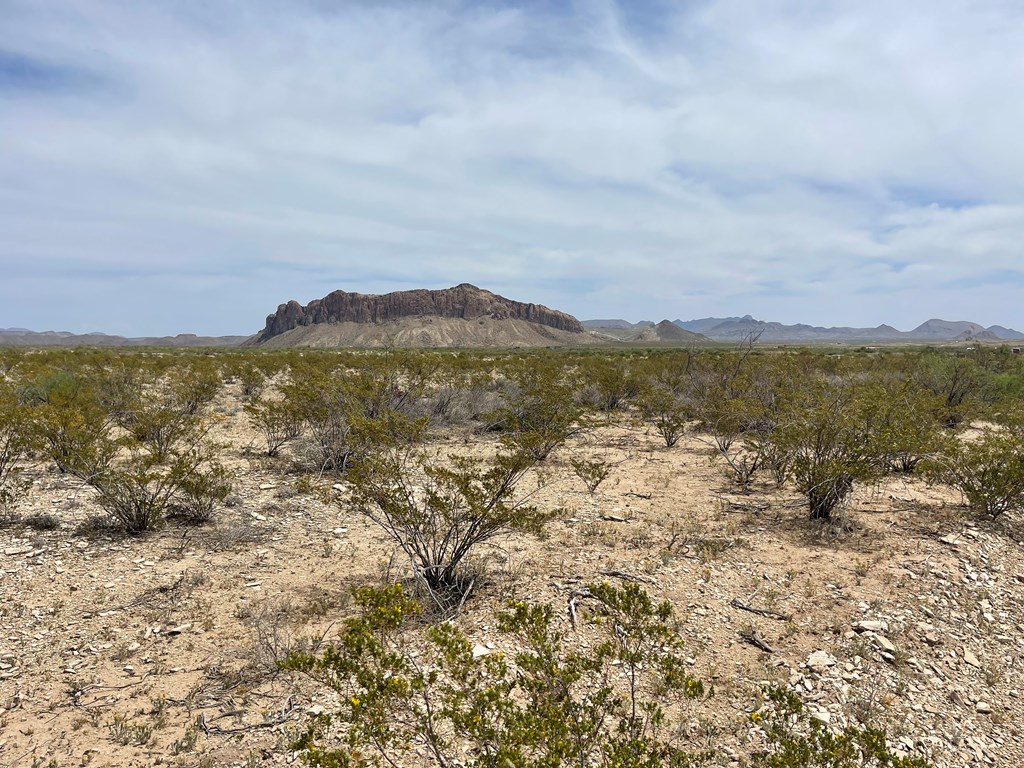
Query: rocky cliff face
(463,301)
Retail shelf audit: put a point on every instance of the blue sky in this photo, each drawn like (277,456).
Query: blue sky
(187,166)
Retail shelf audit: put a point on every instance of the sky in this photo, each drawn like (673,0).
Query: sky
(187,166)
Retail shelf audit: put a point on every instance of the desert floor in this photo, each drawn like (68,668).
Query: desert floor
(159,649)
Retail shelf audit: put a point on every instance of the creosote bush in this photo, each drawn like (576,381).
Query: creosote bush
(552,702)
(988,471)
(439,512)
(795,739)
(827,433)
(539,413)
(617,700)
(13,447)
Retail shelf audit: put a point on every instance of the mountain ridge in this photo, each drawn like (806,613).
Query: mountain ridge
(739,328)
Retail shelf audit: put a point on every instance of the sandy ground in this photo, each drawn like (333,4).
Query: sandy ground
(158,649)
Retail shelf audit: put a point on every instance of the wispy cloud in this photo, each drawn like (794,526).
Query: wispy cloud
(175,167)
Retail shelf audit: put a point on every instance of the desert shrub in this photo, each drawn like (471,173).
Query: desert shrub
(200,491)
(14,444)
(665,410)
(795,739)
(10,357)
(120,388)
(592,473)
(159,422)
(826,431)
(907,425)
(539,413)
(68,421)
(438,514)
(250,373)
(333,401)
(321,399)
(457,395)
(277,419)
(956,381)
(141,488)
(735,399)
(609,383)
(161,458)
(555,703)
(195,384)
(988,471)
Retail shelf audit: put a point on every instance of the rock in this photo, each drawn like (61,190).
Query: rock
(17,551)
(463,301)
(480,650)
(884,644)
(820,661)
(983,708)
(822,715)
(870,626)
(179,629)
(971,659)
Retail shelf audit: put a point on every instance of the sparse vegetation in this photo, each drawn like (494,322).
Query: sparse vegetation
(521,476)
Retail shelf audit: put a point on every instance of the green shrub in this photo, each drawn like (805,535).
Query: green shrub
(69,422)
(798,740)
(14,444)
(557,702)
(539,413)
(592,473)
(665,410)
(988,471)
(826,431)
(439,514)
(278,420)
(141,488)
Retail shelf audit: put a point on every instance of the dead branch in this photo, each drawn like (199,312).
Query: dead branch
(753,637)
(768,612)
(627,576)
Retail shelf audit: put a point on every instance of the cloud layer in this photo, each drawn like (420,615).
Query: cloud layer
(187,167)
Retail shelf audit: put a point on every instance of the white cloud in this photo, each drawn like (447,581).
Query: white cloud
(849,164)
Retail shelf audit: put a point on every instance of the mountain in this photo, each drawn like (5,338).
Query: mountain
(667,331)
(463,316)
(940,330)
(21,337)
(707,323)
(646,332)
(1005,333)
(740,328)
(620,324)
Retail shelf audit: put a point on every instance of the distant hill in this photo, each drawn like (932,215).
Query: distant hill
(462,316)
(22,337)
(621,324)
(739,328)
(707,323)
(667,331)
(646,332)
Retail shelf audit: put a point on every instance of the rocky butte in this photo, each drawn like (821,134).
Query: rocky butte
(464,302)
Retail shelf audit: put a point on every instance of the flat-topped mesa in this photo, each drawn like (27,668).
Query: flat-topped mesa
(463,301)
